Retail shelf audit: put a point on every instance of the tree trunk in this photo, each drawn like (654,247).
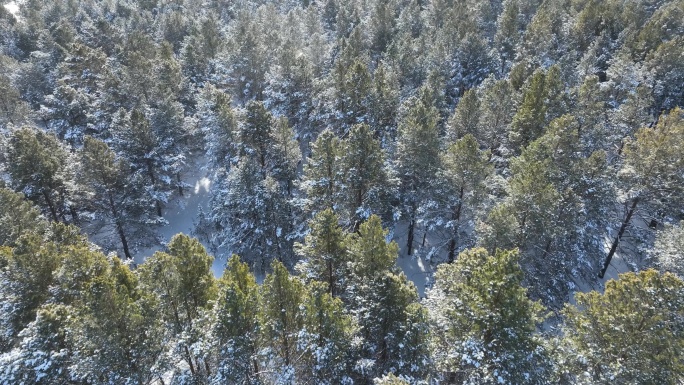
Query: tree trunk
(452,250)
(74,214)
(331,279)
(256,368)
(124,241)
(358,203)
(51,206)
(180,184)
(409,242)
(189,358)
(456,217)
(153,179)
(616,242)
(119,226)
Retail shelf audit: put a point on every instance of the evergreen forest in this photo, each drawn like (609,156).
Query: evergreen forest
(339,192)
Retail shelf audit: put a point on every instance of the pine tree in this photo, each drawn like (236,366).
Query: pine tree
(17,217)
(235,330)
(112,196)
(219,123)
(253,215)
(417,156)
(169,82)
(321,180)
(43,354)
(74,108)
(634,113)
(281,319)
(542,101)
(460,189)
(256,133)
(38,166)
(560,197)
(285,154)
(384,104)
(652,171)
(668,71)
(326,340)
(528,122)
(138,62)
(385,305)
(482,323)
(325,252)
(13,110)
(175,139)
(500,229)
(141,147)
(496,106)
(353,96)
(365,178)
(465,119)
(632,333)
(508,34)
(26,277)
(30,278)
(249,59)
(591,113)
(118,315)
(182,281)
(669,244)
(382,27)
(290,88)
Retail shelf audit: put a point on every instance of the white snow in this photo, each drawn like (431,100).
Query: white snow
(414,266)
(181,213)
(202,184)
(13,8)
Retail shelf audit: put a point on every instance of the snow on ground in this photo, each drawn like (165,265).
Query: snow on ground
(414,266)
(13,8)
(617,266)
(181,213)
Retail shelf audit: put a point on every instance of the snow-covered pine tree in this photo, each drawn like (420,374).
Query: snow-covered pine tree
(366,189)
(459,194)
(234,336)
(417,156)
(482,323)
(114,199)
(38,167)
(385,304)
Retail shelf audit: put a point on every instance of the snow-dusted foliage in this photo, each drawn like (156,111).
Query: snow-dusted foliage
(619,335)
(482,323)
(253,215)
(296,132)
(668,250)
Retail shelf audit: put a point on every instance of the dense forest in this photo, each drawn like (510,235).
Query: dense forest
(523,152)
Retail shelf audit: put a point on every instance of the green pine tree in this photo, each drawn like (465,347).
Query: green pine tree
(325,252)
(482,322)
(631,333)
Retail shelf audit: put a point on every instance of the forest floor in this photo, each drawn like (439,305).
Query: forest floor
(182,214)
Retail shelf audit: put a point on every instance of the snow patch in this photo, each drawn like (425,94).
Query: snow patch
(202,184)
(13,8)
